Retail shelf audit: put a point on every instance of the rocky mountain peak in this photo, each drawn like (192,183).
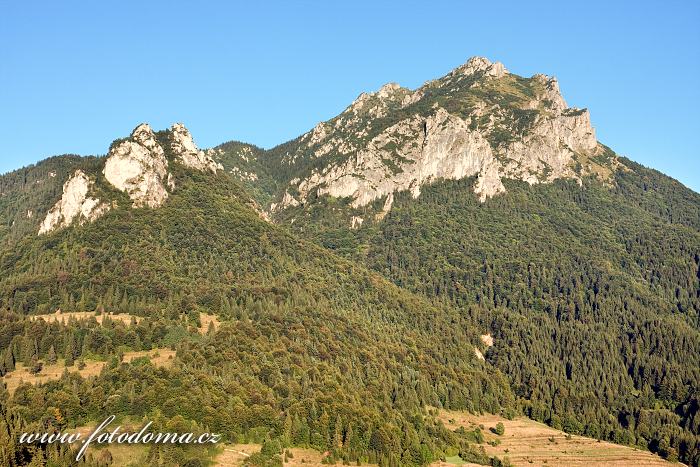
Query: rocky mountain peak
(550,91)
(479,120)
(182,139)
(481,66)
(138,166)
(387,90)
(143,134)
(376,104)
(187,152)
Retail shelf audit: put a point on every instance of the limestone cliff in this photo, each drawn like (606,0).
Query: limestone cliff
(479,120)
(139,166)
(75,204)
(187,153)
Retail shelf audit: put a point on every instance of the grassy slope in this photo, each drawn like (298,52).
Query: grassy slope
(527,442)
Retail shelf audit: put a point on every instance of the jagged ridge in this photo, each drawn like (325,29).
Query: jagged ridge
(478,120)
(137,166)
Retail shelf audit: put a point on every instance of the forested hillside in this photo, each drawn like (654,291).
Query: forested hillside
(468,246)
(592,293)
(27,194)
(313,349)
(484,191)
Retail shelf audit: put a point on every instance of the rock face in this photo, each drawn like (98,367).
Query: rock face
(187,153)
(438,147)
(138,166)
(481,66)
(74,204)
(479,120)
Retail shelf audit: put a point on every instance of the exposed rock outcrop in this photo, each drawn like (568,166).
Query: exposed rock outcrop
(487,339)
(356,222)
(388,203)
(547,151)
(441,146)
(481,66)
(287,201)
(550,92)
(138,166)
(187,153)
(531,135)
(75,204)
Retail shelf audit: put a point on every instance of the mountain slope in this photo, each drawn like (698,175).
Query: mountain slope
(404,228)
(245,163)
(593,302)
(310,344)
(483,190)
(27,194)
(479,120)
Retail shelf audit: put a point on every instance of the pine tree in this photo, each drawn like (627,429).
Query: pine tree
(9,359)
(68,356)
(28,352)
(287,434)
(338,433)
(51,357)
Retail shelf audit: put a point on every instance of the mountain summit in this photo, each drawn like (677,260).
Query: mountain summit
(138,166)
(478,120)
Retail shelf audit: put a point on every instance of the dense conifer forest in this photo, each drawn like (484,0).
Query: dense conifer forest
(592,293)
(345,338)
(313,349)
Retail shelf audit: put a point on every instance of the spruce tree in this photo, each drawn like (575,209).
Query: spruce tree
(51,356)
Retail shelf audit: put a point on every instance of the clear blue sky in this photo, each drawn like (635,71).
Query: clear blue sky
(76,75)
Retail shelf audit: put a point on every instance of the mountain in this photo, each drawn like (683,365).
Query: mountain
(309,343)
(467,245)
(482,189)
(479,120)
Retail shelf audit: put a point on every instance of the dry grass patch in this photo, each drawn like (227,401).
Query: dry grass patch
(159,357)
(235,454)
(206,319)
(49,372)
(527,442)
(304,457)
(127,455)
(64,317)
(452,463)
